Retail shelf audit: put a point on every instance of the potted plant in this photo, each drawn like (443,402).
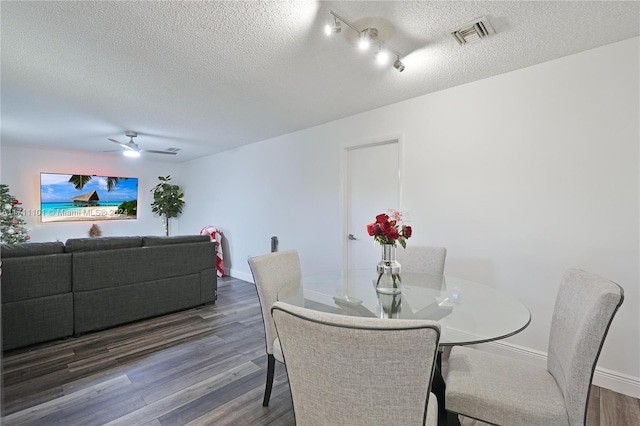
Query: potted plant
(168,201)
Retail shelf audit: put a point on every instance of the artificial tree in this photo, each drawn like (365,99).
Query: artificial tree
(168,201)
(12,225)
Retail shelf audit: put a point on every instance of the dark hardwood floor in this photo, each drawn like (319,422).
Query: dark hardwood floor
(197,367)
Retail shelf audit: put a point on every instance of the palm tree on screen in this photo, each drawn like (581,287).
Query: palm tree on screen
(79,181)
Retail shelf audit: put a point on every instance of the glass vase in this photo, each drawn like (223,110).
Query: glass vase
(388,269)
(389,305)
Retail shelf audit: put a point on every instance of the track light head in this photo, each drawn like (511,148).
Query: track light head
(367,36)
(398,65)
(333,29)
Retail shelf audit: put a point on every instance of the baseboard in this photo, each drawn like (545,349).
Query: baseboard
(613,380)
(240,275)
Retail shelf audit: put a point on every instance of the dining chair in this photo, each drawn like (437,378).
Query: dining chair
(505,391)
(422,259)
(346,370)
(271,272)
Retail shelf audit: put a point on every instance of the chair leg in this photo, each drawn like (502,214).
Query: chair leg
(438,387)
(271,366)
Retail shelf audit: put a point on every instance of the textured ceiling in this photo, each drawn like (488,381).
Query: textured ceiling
(210,76)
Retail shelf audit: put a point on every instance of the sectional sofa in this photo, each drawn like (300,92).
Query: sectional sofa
(55,290)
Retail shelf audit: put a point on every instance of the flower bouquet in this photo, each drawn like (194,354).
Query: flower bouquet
(387,230)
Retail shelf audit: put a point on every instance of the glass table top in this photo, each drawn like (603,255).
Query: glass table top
(468,312)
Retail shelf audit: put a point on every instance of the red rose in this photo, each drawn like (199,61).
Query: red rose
(385,228)
(382,218)
(406,231)
(15,201)
(393,234)
(371,229)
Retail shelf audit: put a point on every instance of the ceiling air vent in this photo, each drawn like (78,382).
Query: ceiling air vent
(173,149)
(473,31)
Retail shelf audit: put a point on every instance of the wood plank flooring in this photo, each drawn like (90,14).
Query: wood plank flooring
(202,366)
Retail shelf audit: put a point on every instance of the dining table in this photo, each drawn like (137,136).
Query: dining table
(468,312)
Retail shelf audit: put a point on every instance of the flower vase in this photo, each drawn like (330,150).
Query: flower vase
(389,305)
(388,268)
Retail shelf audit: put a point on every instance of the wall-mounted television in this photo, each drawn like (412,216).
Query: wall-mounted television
(66,197)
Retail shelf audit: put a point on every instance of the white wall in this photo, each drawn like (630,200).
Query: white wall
(520,176)
(21,167)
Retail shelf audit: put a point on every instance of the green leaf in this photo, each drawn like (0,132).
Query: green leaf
(112,182)
(79,181)
(403,242)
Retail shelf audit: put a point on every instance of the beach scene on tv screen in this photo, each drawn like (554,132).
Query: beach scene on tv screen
(66,197)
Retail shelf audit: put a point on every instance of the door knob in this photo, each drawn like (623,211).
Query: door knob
(351,237)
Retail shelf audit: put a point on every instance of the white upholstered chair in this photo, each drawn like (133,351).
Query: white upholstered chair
(422,259)
(357,371)
(506,391)
(271,272)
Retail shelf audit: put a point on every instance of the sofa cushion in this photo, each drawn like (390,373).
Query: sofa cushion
(114,268)
(26,322)
(111,306)
(75,245)
(150,241)
(31,249)
(31,277)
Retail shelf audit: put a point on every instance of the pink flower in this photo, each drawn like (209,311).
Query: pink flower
(395,215)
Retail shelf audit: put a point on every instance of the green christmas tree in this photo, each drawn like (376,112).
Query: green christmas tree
(12,226)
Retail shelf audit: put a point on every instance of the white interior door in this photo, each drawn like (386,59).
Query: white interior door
(373,187)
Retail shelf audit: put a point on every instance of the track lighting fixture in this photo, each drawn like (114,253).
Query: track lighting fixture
(366,38)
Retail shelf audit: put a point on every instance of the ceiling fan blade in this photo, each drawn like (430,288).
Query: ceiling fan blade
(120,143)
(159,152)
(132,146)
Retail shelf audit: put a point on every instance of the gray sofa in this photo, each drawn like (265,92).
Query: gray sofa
(51,290)
(37,302)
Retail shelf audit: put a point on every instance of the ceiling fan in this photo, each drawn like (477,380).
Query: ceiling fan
(131,149)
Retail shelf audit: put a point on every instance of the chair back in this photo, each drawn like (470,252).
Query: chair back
(271,272)
(584,309)
(422,259)
(357,371)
